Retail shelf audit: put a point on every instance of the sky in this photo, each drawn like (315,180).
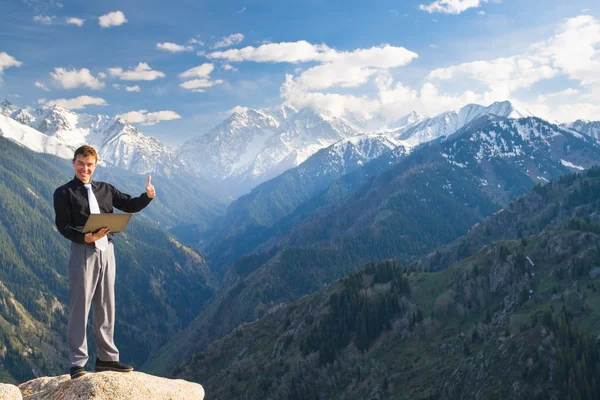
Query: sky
(176,69)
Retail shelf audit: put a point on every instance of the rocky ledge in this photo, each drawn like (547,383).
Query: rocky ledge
(104,386)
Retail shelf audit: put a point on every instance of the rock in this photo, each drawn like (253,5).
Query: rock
(9,392)
(111,386)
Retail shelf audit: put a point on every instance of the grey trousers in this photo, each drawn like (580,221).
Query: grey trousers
(91,282)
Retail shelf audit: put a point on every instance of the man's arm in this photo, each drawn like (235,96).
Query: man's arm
(126,203)
(63,220)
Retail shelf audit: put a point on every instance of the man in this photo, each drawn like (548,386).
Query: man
(92,261)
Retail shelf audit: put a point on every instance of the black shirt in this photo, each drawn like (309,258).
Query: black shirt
(72,207)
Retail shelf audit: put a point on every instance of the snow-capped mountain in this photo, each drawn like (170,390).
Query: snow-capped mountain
(32,139)
(59,131)
(507,153)
(255,145)
(447,123)
(589,128)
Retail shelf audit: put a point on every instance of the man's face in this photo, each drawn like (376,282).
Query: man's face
(84,167)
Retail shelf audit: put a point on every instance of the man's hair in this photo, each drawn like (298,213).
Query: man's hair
(85,151)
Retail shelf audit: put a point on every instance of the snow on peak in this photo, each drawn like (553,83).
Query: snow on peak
(446,123)
(508,110)
(56,130)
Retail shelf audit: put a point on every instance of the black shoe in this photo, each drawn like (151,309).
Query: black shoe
(77,372)
(112,366)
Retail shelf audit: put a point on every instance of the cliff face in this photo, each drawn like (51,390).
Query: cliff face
(104,386)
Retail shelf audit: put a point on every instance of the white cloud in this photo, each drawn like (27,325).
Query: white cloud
(451,6)
(384,56)
(116,86)
(75,21)
(7,61)
(229,41)
(574,49)
(291,52)
(142,72)
(202,75)
(566,92)
(42,86)
(195,41)
(236,109)
(198,85)
(149,118)
(44,19)
(72,78)
(572,53)
(392,101)
(201,71)
(338,68)
(501,75)
(75,103)
(573,112)
(173,47)
(228,67)
(135,88)
(114,18)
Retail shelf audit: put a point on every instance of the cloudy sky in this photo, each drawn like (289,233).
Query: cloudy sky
(178,68)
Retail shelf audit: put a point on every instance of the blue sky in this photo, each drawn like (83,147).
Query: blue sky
(178,68)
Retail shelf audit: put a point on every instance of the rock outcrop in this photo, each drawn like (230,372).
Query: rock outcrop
(9,392)
(105,386)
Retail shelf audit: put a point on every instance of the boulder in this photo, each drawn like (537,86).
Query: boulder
(111,386)
(9,392)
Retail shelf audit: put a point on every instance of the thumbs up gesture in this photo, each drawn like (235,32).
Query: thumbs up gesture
(150,188)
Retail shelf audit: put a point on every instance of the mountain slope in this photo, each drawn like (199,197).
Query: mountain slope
(32,139)
(502,322)
(253,218)
(425,200)
(589,128)
(161,285)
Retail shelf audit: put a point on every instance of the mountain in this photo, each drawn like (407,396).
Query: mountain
(447,123)
(253,146)
(511,319)
(536,147)
(254,217)
(118,142)
(589,128)
(419,202)
(161,284)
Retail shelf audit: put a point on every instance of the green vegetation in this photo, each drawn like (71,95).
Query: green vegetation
(516,318)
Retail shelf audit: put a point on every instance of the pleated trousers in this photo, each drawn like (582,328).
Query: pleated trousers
(91,284)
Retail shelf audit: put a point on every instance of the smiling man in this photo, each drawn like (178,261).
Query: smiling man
(92,260)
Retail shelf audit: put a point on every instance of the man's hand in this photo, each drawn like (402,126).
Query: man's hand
(92,237)
(150,188)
